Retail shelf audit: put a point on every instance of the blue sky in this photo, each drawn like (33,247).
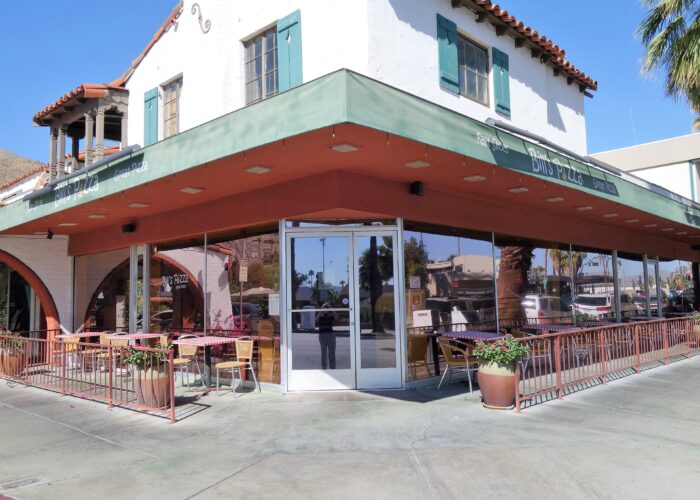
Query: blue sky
(99,41)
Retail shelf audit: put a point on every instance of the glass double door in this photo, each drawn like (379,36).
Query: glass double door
(342,310)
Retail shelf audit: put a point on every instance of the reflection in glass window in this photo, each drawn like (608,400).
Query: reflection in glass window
(534,283)
(594,297)
(677,285)
(630,274)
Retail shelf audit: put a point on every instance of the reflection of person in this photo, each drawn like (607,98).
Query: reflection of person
(326,336)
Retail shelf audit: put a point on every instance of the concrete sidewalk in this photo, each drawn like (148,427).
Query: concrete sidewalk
(633,438)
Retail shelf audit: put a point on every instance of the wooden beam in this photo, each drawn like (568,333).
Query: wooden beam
(535,53)
(569,80)
(501,29)
(480,17)
(519,42)
(544,58)
(457,3)
(556,71)
(581,87)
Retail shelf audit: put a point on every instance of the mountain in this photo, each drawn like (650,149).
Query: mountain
(13,165)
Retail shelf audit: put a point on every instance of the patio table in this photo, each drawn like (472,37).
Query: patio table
(138,336)
(206,342)
(78,335)
(474,335)
(549,327)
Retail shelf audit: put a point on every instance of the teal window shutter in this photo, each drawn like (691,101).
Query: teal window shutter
(289,51)
(447,50)
(150,117)
(501,83)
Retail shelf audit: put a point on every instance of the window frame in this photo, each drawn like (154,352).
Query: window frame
(247,80)
(462,40)
(164,88)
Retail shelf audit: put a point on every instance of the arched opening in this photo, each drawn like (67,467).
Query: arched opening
(175,304)
(25,302)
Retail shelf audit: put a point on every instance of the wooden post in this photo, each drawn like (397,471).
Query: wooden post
(89,130)
(61,151)
(52,153)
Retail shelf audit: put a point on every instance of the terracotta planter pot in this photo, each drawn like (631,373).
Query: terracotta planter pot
(152,388)
(11,363)
(497,384)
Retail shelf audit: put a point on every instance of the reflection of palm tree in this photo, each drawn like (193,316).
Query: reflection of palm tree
(512,280)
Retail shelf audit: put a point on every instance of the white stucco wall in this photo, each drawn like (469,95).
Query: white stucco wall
(212,64)
(50,262)
(393,41)
(675,177)
(16,191)
(403,52)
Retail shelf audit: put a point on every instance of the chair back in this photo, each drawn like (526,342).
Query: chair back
(71,343)
(163,340)
(266,349)
(187,351)
(417,347)
(453,351)
(266,328)
(244,349)
(119,342)
(104,338)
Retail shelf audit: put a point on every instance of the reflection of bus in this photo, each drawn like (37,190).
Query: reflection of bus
(463,309)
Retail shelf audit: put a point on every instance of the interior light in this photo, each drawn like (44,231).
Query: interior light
(139,205)
(681,233)
(68,224)
(258,169)
(610,215)
(518,189)
(694,236)
(584,208)
(344,147)
(417,164)
(667,229)
(191,190)
(96,216)
(554,199)
(652,225)
(630,221)
(475,178)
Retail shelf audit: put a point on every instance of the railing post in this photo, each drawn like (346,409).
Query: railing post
(172,386)
(664,334)
(63,368)
(26,363)
(557,362)
(637,350)
(110,385)
(603,368)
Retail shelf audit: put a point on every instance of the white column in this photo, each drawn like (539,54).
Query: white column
(89,132)
(133,279)
(52,153)
(146,289)
(645,264)
(100,133)
(125,128)
(61,151)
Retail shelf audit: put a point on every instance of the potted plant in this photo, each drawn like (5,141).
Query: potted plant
(151,379)
(497,371)
(11,354)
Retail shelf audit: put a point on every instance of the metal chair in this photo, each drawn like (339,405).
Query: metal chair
(244,358)
(457,357)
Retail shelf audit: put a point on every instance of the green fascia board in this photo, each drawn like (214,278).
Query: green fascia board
(342,97)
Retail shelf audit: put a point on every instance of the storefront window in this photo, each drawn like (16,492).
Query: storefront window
(18,304)
(677,285)
(102,291)
(594,288)
(449,285)
(243,288)
(534,281)
(630,275)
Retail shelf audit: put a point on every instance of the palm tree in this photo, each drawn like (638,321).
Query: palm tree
(670,32)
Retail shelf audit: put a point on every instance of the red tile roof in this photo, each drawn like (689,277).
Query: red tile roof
(557,53)
(26,175)
(85,91)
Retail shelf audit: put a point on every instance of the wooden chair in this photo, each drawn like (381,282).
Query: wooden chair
(244,358)
(187,354)
(266,328)
(70,348)
(418,353)
(267,356)
(95,352)
(458,359)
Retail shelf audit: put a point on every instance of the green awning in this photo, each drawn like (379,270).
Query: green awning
(343,97)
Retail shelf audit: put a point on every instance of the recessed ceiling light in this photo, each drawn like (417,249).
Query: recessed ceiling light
(650,225)
(694,236)
(584,208)
(96,216)
(610,215)
(417,164)
(518,189)
(475,178)
(667,229)
(344,147)
(191,190)
(258,169)
(681,233)
(68,224)
(630,221)
(44,233)
(554,199)
(139,205)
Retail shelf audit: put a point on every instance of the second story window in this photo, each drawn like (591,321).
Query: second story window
(473,71)
(171,107)
(261,66)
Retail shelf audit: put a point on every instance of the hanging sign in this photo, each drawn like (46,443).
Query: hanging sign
(243,271)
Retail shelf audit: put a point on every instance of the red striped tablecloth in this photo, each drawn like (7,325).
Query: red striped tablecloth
(205,341)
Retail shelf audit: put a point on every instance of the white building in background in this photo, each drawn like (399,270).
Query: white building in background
(670,163)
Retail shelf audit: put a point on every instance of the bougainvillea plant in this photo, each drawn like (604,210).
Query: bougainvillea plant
(503,351)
